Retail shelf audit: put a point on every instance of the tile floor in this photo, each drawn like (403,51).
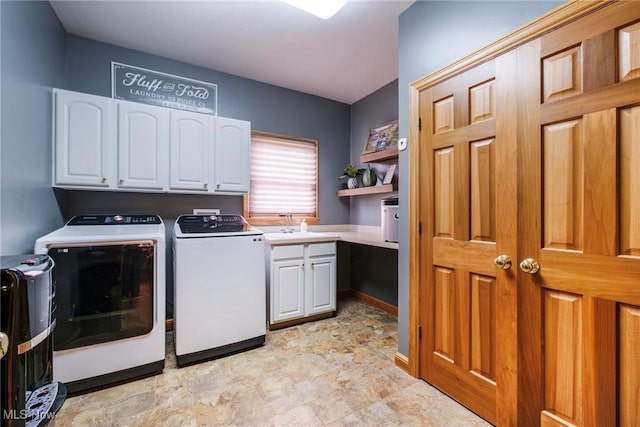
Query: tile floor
(333,372)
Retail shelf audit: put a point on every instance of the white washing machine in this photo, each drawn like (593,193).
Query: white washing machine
(110,296)
(219,287)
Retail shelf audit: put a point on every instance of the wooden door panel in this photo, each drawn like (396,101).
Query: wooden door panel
(562,75)
(483,202)
(600,183)
(444,192)
(482,102)
(629,360)
(562,361)
(630,181)
(443,115)
(628,52)
(562,194)
(483,327)
(445,308)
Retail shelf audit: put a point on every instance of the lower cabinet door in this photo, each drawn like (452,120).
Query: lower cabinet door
(287,289)
(321,288)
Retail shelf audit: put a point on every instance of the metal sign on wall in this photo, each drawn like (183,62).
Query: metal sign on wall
(166,90)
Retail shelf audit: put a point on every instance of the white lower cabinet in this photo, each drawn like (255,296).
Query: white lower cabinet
(302,281)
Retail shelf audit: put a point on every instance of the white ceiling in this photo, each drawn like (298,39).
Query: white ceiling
(344,58)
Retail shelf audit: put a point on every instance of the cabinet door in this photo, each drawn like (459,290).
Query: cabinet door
(232,156)
(321,285)
(287,289)
(191,150)
(83,140)
(143,141)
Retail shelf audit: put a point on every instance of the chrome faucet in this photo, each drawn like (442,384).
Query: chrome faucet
(288,228)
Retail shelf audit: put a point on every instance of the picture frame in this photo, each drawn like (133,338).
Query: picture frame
(388,176)
(382,137)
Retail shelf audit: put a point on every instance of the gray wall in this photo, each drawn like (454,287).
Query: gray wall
(432,35)
(32,61)
(371,270)
(378,108)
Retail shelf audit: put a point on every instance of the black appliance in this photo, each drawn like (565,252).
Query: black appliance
(28,397)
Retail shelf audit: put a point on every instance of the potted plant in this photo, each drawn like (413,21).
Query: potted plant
(351,172)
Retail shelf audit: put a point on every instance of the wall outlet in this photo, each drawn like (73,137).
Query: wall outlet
(206,211)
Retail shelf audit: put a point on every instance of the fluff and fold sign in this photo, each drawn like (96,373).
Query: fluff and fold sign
(152,87)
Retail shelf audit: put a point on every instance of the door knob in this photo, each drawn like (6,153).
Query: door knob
(503,261)
(529,265)
(4,344)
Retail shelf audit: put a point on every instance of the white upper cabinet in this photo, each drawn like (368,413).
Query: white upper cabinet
(100,143)
(191,161)
(143,144)
(232,156)
(83,149)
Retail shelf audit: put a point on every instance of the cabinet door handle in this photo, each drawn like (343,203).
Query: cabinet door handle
(104,179)
(121,181)
(206,185)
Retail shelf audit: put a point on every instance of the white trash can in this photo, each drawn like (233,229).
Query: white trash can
(390,217)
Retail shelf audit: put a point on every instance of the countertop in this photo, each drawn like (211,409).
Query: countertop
(361,234)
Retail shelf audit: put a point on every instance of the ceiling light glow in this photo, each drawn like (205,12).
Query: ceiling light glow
(324,9)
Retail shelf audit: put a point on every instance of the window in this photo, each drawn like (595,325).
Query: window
(284,178)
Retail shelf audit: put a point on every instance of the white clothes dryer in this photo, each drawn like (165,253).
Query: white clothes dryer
(110,295)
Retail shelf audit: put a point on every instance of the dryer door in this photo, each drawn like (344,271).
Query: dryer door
(105,292)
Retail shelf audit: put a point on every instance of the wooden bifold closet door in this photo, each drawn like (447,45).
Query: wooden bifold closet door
(529,211)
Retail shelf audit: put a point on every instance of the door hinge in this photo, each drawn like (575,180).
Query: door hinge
(419,332)
(419,227)
(419,123)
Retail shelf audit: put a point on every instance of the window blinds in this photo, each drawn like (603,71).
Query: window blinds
(283,176)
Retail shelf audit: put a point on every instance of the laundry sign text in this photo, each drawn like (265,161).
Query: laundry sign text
(152,87)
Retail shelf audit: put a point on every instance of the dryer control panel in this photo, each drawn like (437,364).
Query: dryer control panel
(114,220)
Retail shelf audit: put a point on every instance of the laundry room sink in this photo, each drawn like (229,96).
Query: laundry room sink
(300,237)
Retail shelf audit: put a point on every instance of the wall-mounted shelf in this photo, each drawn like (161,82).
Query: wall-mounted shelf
(385,188)
(389,153)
